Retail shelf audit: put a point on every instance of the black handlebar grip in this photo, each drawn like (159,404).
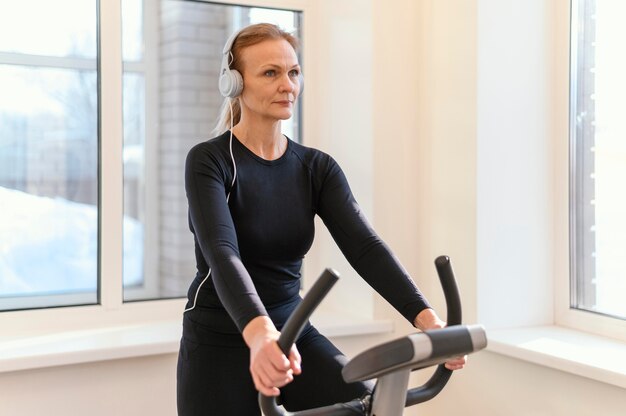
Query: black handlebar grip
(304,310)
(450,290)
(440,377)
(294,326)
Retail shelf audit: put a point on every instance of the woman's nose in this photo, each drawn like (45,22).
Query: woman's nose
(287,84)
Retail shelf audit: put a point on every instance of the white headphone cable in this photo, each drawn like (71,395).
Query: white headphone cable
(230,105)
(198,291)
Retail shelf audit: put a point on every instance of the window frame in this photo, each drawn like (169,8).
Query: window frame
(112,310)
(578,181)
(566,89)
(149,68)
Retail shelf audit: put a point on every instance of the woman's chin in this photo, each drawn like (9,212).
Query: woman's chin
(285,115)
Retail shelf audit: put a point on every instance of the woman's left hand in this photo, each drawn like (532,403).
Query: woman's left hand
(428,319)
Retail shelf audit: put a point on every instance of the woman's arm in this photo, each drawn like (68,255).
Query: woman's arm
(205,178)
(371,257)
(363,248)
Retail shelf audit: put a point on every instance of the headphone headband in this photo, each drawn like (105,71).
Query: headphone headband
(229,42)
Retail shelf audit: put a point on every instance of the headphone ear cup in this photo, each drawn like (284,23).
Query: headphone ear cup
(230,83)
(237,83)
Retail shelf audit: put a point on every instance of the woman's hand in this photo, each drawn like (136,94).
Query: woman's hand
(270,368)
(428,319)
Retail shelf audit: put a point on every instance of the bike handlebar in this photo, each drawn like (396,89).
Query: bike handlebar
(313,298)
(303,312)
(454,316)
(294,326)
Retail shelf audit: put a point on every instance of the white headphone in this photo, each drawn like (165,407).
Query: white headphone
(230,81)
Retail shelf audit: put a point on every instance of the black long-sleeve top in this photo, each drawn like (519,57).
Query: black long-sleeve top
(254,244)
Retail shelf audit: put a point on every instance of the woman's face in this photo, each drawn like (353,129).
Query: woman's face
(271,79)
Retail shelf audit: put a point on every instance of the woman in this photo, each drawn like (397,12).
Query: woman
(253,195)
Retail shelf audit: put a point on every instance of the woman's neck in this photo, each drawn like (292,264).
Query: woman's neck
(263,139)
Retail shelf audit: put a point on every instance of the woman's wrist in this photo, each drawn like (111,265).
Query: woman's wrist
(261,326)
(428,319)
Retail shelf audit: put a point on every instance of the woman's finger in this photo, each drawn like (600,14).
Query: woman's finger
(295,360)
(273,367)
(263,388)
(276,357)
(456,363)
(269,377)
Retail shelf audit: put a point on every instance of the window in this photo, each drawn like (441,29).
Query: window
(48,154)
(59,237)
(598,158)
(172,52)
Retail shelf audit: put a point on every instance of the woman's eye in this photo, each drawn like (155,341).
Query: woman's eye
(294,72)
(270,73)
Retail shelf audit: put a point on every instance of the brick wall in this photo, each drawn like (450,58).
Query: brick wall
(191,40)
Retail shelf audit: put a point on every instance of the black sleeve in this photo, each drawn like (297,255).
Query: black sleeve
(214,230)
(364,250)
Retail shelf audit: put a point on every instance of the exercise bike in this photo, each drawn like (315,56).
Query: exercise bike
(390,363)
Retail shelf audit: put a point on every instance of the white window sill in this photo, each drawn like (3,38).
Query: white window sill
(339,325)
(575,352)
(76,347)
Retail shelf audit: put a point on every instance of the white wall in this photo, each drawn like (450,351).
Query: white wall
(142,386)
(484,112)
(494,385)
(421,131)
(338,113)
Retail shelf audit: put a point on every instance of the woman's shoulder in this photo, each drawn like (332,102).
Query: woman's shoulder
(313,158)
(209,149)
(323,168)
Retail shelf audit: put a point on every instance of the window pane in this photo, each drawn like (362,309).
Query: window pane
(48,187)
(132,28)
(40,27)
(599,146)
(171,102)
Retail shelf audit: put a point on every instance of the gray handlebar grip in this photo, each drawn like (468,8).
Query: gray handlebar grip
(294,326)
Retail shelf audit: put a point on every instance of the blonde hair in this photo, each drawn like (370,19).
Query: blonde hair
(248,36)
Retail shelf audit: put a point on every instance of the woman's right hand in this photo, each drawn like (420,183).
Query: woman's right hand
(270,368)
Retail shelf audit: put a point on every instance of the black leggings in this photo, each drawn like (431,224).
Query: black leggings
(216,380)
